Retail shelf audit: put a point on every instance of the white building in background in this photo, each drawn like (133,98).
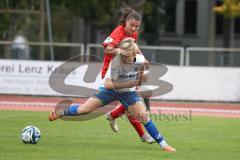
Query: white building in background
(193,23)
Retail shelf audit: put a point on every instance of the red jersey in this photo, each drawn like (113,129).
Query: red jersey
(117,35)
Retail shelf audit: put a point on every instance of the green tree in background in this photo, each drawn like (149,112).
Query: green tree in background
(230,9)
(96,17)
(102,16)
(152,20)
(14,23)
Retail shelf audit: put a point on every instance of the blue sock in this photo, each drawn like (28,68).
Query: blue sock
(71,110)
(154,133)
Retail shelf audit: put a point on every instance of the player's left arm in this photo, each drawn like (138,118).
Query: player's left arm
(141,72)
(140,76)
(138,49)
(110,84)
(146,63)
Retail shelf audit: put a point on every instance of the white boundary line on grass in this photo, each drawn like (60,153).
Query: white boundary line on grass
(154,108)
(176,109)
(14,103)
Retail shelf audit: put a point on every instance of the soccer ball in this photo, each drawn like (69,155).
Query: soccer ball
(30,135)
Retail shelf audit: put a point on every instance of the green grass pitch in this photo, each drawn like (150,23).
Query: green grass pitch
(206,138)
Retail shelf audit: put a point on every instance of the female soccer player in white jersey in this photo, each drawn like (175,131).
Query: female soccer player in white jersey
(119,84)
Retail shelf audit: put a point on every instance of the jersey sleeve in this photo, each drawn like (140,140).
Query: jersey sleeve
(108,74)
(113,40)
(114,66)
(117,35)
(112,73)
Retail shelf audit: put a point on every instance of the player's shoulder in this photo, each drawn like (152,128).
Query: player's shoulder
(116,59)
(119,31)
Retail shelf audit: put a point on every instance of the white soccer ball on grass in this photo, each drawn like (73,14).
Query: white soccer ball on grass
(30,135)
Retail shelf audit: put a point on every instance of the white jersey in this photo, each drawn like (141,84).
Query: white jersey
(120,72)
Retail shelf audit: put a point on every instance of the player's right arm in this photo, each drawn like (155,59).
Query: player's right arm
(109,84)
(112,50)
(111,43)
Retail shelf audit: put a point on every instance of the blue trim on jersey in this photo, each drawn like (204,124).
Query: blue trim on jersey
(108,96)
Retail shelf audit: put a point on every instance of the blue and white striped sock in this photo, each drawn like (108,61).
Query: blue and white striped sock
(154,133)
(71,110)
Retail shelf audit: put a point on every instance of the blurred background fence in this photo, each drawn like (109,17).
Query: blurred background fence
(170,55)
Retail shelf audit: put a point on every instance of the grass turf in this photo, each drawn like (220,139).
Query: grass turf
(202,138)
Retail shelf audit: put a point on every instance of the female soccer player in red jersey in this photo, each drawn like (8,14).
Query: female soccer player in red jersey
(129,24)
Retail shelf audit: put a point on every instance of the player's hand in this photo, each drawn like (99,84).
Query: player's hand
(146,65)
(129,39)
(137,87)
(124,52)
(130,84)
(127,47)
(140,78)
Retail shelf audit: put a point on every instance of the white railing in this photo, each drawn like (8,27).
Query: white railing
(206,49)
(184,53)
(180,49)
(92,45)
(168,48)
(57,44)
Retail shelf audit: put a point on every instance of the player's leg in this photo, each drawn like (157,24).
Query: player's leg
(91,104)
(102,98)
(147,104)
(137,109)
(59,108)
(75,109)
(144,136)
(119,111)
(115,113)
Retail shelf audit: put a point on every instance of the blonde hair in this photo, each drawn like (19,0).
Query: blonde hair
(128,45)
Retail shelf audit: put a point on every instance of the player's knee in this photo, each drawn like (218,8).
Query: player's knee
(143,117)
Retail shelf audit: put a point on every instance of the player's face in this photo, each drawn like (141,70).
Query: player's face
(132,25)
(130,58)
